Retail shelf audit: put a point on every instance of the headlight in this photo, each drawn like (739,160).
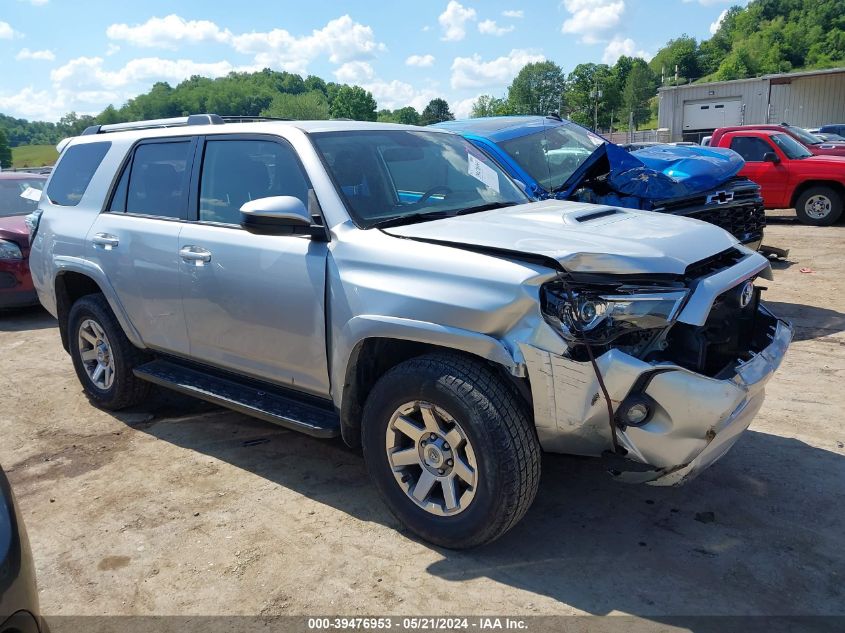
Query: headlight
(10,250)
(600,316)
(32,221)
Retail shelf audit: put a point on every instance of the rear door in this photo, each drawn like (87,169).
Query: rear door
(773,178)
(135,240)
(254,304)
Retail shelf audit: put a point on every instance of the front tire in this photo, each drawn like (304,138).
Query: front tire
(819,206)
(451,449)
(103,357)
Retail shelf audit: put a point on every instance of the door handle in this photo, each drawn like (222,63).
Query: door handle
(195,254)
(106,240)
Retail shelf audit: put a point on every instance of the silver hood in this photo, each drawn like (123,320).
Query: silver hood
(582,237)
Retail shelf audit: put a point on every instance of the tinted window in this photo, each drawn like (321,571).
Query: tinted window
(235,172)
(751,148)
(11,202)
(74,172)
(158,181)
(389,175)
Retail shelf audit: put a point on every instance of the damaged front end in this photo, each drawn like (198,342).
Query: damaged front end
(695,182)
(668,370)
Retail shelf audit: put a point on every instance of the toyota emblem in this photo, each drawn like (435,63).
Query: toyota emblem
(746,294)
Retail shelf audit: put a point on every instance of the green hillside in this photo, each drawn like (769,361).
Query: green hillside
(33,155)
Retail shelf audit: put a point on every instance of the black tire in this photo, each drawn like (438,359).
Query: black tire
(126,390)
(496,423)
(805,200)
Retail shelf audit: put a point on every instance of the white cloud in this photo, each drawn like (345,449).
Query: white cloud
(45,55)
(36,3)
(592,18)
(422,61)
(87,73)
(710,3)
(619,46)
(489,27)
(515,13)
(342,39)
(453,21)
(473,72)
(7,32)
(398,94)
(715,26)
(168,32)
(463,108)
(112,49)
(354,73)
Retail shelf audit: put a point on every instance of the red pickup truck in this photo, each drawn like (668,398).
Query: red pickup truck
(812,142)
(789,175)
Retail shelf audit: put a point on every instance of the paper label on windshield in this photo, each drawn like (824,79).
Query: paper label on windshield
(31,193)
(478,170)
(595,140)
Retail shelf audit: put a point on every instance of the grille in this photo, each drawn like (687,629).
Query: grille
(743,216)
(7,280)
(713,264)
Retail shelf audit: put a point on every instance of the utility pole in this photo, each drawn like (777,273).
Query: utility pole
(596,94)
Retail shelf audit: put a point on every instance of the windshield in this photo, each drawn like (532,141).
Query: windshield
(11,202)
(803,135)
(789,146)
(391,175)
(550,157)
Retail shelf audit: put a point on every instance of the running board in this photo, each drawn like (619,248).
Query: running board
(266,404)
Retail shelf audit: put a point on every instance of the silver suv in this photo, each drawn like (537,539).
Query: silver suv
(392,285)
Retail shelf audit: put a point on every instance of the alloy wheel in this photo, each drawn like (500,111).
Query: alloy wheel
(818,207)
(431,458)
(96,354)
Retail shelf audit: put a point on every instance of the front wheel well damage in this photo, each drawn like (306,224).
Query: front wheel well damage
(70,287)
(373,357)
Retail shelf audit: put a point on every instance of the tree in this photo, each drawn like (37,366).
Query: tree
(537,89)
(681,52)
(353,102)
(639,88)
(308,106)
(581,99)
(5,151)
(487,105)
(436,111)
(407,115)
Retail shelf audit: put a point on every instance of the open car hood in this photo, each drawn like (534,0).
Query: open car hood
(662,172)
(580,237)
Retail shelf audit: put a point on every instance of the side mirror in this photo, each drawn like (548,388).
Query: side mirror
(276,215)
(771,157)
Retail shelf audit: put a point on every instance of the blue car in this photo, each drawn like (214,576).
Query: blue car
(555,158)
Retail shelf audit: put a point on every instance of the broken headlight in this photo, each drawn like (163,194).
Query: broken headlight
(599,316)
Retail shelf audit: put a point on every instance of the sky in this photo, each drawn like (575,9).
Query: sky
(58,56)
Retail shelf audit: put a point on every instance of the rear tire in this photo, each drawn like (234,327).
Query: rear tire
(819,206)
(103,357)
(450,427)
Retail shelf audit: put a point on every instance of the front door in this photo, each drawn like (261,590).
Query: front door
(135,241)
(254,304)
(773,178)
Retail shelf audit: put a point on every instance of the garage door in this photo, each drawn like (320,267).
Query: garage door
(712,113)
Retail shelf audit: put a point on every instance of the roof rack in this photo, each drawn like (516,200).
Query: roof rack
(193,119)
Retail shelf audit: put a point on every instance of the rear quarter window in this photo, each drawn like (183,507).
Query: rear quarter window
(74,172)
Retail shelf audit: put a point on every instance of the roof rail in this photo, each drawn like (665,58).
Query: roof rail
(193,119)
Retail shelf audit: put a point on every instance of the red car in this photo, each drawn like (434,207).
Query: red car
(789,174)
(15,281)
(812,142)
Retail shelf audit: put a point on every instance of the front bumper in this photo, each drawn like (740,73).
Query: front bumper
(695,420)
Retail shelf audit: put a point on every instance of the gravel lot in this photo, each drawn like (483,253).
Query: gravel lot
(183,508)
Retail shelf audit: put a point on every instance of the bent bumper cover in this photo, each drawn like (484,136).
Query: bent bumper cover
(696,418)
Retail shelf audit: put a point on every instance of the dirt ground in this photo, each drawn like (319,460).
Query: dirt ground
(182,508)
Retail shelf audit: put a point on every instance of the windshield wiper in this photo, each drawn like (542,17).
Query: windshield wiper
(411,218)
(485,207)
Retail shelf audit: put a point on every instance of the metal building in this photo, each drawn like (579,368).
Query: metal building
(806,99)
